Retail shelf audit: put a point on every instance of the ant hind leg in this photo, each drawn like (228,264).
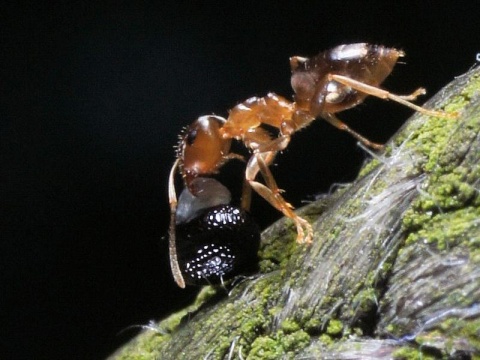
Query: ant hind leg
(383,94)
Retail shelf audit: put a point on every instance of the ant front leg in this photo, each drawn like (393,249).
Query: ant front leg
(383,94)
(259,163)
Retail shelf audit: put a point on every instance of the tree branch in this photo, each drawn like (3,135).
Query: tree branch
(394,270)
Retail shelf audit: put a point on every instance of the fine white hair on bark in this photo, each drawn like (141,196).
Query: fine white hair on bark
(377,222)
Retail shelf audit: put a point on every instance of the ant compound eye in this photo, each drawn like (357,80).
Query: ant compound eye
(191,136)
(218,245)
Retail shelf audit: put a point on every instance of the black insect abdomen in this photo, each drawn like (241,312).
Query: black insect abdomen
(217,245)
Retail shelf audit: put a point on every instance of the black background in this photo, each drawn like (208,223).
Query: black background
(92,99)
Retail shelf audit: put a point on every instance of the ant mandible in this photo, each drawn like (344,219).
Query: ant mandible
(330,82)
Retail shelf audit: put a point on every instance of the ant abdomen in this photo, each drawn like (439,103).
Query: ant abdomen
(217,242)
(315,91)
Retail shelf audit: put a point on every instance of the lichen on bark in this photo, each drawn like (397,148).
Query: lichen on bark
(393,271)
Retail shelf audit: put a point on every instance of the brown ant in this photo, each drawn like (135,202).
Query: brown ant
(334,80)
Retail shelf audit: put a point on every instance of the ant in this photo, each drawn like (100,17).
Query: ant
(330,82)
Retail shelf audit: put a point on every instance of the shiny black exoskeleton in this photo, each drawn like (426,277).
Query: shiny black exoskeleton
(219,244)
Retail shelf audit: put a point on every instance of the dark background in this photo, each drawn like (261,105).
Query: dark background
(92,99)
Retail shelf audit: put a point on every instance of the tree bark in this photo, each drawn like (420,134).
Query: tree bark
(393,271)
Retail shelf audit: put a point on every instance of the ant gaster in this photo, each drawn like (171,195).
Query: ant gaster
(330,82)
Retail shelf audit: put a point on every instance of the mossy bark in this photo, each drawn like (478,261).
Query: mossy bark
(393,272)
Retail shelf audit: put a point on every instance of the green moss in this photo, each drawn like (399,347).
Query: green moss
(313,325)
(391,329)
(447,192)
(449,187)
(365,301)
(368,167)
(279,346)
(471,331)
(294,341)
(266,348)
(290,326)
(334,328)
(410,353)
(205,294)
(448,229)
(275,252)
(433,139)
(251,328)
(425,141)
(169,324)
(456,334)
(327,340)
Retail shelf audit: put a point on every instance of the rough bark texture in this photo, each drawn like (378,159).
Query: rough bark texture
(394,271)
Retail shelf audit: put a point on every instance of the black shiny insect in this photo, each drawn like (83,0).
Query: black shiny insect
(215,241)
(220,243)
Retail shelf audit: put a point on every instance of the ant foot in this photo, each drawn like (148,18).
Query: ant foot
(451,114)
(302,224)
(414,95)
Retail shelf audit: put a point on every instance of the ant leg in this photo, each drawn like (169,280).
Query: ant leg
(332,119)
(246,199)
(259,163)
(259,135)
(383,94)
(172,247)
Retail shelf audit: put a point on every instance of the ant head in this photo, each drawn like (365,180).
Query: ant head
(202,149)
